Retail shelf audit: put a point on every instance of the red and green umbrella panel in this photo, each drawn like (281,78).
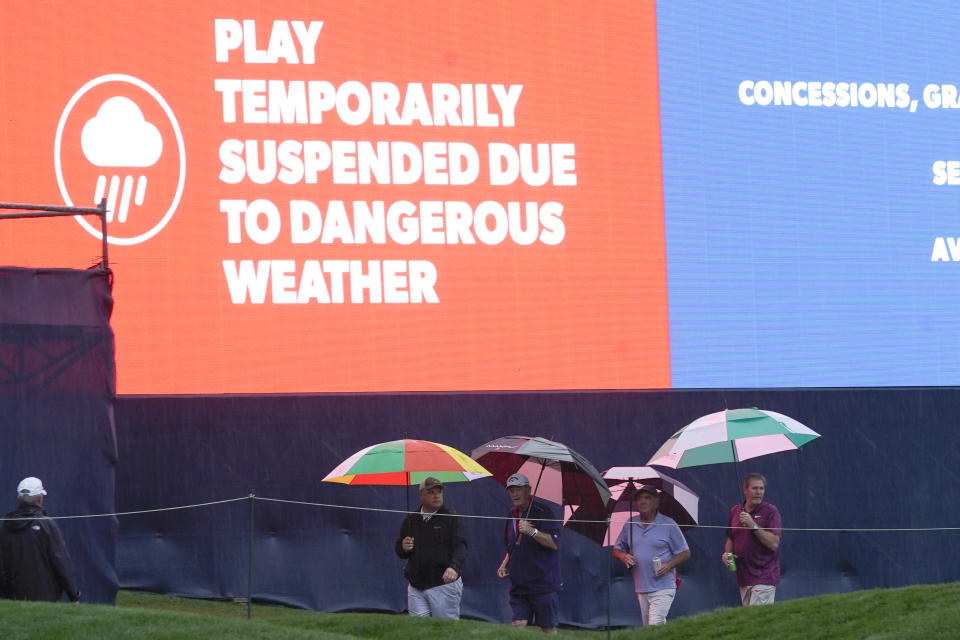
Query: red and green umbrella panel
(406,462)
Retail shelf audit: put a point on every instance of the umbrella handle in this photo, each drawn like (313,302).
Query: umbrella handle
(516,541)
(532,494)
(736,464)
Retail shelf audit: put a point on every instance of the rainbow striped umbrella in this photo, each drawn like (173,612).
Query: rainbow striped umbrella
(406,462)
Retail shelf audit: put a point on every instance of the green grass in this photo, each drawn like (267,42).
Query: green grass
(926,611)
(929,611)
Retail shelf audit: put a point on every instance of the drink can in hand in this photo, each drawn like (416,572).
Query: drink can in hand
(731,563)
(656,563)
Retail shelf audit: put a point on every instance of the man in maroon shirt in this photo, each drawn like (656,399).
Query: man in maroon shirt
(753,536)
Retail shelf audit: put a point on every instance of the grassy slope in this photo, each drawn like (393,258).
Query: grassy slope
(931,611)
(926,611)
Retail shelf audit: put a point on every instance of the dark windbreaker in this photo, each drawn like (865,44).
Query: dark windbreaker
(438,544)
(34,564)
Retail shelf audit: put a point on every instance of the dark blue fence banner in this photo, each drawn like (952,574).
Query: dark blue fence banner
(885,461)
(57,387)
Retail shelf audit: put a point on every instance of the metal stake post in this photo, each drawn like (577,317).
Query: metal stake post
(25,210)
(250,559)
(609,577)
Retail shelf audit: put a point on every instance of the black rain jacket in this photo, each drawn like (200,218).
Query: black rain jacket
(34,564)
(438,543)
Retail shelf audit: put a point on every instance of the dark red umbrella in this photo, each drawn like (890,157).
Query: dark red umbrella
(557,473)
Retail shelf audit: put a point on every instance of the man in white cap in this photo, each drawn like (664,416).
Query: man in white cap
(532,562)
(433,545)
(34,563)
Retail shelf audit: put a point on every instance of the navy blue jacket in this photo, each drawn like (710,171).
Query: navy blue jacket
(534,568)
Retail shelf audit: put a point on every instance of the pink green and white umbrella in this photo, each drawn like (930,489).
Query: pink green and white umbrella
(406,462)
(730,436)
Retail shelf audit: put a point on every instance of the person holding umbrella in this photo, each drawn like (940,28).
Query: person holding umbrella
(434,547)
(753,537)
(652,547)
(532,561)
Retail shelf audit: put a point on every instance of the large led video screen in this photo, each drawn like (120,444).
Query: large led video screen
(350,196)
(439,196)
(810,192)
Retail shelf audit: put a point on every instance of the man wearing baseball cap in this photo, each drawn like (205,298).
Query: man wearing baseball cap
(433,545)
(34,563)
(652,546)
(532,561)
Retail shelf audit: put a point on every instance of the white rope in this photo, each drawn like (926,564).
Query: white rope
(699,526)
(396,511)
(130,513)
(478,517)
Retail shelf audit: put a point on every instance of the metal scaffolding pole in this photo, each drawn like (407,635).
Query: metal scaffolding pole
(22,210)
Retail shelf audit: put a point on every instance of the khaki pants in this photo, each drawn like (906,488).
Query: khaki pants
(655,605)
(757,594)
(440,602)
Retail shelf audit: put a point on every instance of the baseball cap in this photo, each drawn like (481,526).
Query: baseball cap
(646,488)
(429,483)
(518,480)
(30,487)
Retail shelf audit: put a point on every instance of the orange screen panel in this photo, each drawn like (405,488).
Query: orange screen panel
(313,197)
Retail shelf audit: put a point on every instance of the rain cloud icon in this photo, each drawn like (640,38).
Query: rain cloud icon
(119,136)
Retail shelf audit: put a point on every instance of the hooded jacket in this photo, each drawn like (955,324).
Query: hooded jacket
(34,564)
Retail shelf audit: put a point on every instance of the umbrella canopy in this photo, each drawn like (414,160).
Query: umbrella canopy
(556,472)
(730,436)
(406,462)
(676,501)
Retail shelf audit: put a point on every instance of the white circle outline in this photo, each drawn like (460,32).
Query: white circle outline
(120,77)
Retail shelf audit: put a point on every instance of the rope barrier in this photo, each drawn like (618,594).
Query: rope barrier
(699,526)
(131,513)
(475,516)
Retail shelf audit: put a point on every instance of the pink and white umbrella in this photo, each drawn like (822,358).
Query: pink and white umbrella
(677,500)
(730,436)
